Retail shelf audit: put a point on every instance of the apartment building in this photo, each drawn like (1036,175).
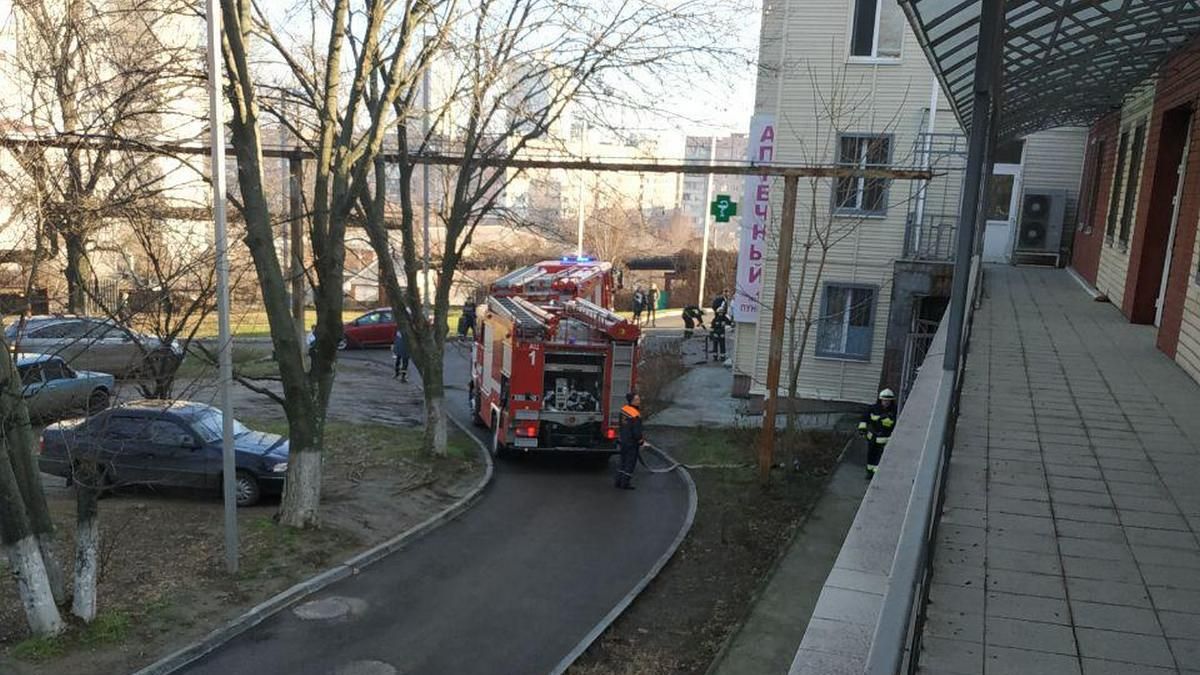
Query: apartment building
(846,82)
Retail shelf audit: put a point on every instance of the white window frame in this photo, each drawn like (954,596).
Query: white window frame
(843,355)
(861,190)
(874,59)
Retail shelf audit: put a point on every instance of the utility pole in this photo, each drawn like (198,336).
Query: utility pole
(425,180)
(783,273)
(708,195)
(216,127)
(296,222)
(582,178)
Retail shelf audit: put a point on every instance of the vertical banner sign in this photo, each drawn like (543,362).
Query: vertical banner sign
(755,208)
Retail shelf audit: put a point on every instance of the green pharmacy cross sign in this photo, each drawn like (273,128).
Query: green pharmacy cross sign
(723,208)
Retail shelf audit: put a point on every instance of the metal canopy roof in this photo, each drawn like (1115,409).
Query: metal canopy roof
(1065,61)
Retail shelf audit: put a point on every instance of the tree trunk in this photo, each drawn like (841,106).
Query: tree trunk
(87,541)
(78,273)
(24,554)
(434,386)
(33,587)
(14,417)
(300,506)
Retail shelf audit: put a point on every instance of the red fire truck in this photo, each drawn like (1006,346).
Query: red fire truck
(551,367)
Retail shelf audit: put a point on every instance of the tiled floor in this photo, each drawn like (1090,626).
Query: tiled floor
(1068,538)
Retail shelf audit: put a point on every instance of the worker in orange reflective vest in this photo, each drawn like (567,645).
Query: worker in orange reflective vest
(876,426)
(629,440)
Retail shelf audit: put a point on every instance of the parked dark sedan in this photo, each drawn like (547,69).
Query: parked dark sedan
(168,443)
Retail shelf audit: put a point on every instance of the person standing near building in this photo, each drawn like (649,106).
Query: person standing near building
(639,303)
(466,322)
(652,304)
(717,332)
(721,302)
(400,352)
(629,440)
(876,426)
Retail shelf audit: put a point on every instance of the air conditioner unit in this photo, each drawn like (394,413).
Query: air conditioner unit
(1040,228)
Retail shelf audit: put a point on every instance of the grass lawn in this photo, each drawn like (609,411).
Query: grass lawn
(253,323)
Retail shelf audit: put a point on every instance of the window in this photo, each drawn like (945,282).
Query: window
(847,323)
(999,199)
(52,332)
(857,194)
(1114,200)
(122,428)
(877,30)
(1010,153)
(368,319)
(162,432)
(31,374)
(209,426)
(1131,185)
(55,369)
(1091,186)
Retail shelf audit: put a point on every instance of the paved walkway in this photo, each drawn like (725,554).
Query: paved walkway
(1068,539)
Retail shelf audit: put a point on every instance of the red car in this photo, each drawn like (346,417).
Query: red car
(376,328)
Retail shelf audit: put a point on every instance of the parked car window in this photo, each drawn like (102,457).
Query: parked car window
(30,374)
(55,369)
(385,317)
(162,432)
(208,425)
(122,428)
(368,319)
(53,331)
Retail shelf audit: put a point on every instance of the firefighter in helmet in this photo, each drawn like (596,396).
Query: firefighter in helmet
(629,440)
(876,426)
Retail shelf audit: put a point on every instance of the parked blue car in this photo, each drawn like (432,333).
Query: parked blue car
(53,390)
(166,443)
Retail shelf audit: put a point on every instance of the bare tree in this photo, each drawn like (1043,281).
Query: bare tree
(169,290)
(370,58)
(89,75)
(514,68)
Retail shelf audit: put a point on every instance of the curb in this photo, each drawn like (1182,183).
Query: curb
(350,567)
(659,564)
(757,594)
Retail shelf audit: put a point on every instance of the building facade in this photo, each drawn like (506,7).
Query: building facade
(846,82)
(1137,240)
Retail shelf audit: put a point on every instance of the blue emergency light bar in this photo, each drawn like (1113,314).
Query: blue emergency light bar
(576,259)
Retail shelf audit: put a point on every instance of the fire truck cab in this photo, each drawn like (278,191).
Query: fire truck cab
(550,366)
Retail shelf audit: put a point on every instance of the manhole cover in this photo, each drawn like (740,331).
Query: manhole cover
(323,609)
(366,668)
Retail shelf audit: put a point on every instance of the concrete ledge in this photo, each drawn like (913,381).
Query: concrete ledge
(843,625)
(264,610)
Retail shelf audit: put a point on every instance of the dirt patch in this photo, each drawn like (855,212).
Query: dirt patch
(163,583)
(679,623)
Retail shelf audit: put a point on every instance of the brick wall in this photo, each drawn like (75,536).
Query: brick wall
(1179,90)
(1089,237)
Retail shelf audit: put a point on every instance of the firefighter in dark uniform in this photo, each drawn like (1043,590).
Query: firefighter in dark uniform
(717,333)
(876,426)
(629,440)
(692,315)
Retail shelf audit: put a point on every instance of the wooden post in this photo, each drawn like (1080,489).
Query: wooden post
(783,273)
(296,264)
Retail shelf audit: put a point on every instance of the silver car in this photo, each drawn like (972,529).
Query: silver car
(52,389)
(91,344)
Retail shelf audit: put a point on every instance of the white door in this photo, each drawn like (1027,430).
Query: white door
(1181,174)
(1004,191)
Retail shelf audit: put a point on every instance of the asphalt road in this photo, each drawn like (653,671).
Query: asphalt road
(510,587)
